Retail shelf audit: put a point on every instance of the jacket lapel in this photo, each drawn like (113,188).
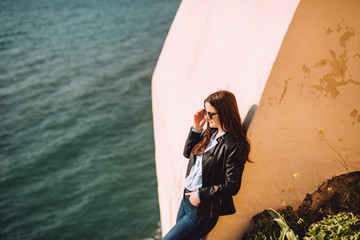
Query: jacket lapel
(211,151)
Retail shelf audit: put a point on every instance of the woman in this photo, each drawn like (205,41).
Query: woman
(216,161)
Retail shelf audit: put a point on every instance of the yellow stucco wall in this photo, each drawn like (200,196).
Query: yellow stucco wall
(308,118)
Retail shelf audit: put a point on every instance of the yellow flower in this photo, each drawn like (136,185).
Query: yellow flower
(321,131)
(300,221)
(293,188)
(330,189)
(296,175)
(320,210)
(283,203)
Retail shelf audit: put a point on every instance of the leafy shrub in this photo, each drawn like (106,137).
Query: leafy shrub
(341,226)
(286,231)
(338,194)
(267,228)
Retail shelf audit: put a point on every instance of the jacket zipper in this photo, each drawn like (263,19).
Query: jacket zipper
(212,181)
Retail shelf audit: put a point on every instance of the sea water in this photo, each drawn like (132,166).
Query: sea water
(76,136)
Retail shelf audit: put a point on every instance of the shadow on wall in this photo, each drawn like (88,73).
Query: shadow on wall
(249,116)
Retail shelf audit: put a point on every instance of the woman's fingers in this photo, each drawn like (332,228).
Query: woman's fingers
(193,198)
(201,112)
(199,119)
(199,115)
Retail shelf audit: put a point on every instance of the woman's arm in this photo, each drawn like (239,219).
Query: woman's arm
(234,165)
(195,132)
(193,138)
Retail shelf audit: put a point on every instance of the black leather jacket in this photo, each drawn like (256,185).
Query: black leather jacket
(222,168)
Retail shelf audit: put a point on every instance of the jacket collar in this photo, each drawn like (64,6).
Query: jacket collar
(219,139)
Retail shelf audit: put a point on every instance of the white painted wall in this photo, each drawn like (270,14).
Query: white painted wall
(212,45)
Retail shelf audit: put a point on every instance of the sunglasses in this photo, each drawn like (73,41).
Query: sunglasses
(210,114)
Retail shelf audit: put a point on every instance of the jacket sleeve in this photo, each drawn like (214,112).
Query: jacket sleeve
(192,139)
(234,167)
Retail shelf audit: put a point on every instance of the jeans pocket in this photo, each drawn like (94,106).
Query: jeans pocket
(188,200)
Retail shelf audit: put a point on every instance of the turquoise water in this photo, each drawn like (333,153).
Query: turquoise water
(76,136)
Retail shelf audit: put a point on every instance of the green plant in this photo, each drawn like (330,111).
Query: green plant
(267,228)
(338,194)
(285,229)
(341,226)
(342,161)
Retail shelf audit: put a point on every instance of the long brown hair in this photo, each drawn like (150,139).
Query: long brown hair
(225,104)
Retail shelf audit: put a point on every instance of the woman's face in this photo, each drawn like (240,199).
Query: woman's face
(215,121)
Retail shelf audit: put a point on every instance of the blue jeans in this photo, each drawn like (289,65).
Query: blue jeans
(188,226)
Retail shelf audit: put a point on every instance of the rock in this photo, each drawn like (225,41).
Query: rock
(339,194)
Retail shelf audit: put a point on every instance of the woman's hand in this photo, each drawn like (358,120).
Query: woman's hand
(199,120)
(193,198)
